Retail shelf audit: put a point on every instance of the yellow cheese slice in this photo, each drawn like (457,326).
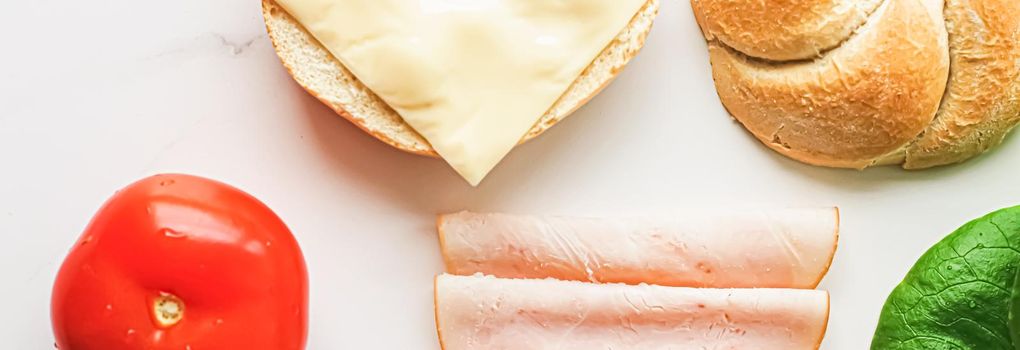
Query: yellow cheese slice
(471,76)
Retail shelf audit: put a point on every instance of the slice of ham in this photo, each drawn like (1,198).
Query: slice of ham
(477,312)
(785,248)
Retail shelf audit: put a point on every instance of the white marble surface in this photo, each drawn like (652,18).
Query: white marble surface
(96,94)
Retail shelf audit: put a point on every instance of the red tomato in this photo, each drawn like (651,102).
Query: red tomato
(185,263)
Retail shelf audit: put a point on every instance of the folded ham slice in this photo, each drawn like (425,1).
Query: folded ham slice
(785,248)
(476,312)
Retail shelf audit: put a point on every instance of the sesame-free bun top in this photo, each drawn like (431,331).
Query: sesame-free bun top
(856,83)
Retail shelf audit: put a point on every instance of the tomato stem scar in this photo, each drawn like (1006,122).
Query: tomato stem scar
(167,310)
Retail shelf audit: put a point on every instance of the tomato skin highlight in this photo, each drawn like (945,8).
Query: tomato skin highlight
(233,265)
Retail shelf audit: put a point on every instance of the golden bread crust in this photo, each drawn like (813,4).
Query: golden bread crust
(921,83)
(852,107)
(794,30)
(982,101)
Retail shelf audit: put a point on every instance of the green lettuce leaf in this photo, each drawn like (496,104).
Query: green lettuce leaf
(958,295)
(1014,313)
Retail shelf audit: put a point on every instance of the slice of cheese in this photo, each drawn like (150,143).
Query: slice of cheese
(471,76)
(777,248)
(474,312)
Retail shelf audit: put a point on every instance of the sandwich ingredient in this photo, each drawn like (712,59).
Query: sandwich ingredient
(981,104)
(806,29)
(782,248)
(958,294)
(477,312)
(471,77)
(832,111)
(854,84)
(182,262)
(325,77)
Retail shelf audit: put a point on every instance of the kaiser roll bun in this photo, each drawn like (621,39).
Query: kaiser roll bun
(856,83)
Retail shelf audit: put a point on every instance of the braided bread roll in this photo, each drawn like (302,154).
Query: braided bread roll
(857,83)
